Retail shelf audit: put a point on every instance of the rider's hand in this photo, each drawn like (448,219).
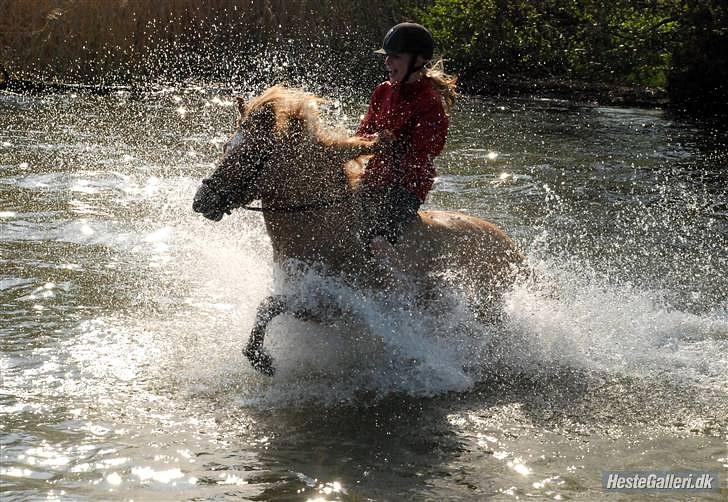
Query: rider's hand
(384,140)
(386,136)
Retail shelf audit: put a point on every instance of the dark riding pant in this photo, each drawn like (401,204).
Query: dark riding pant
(389,210)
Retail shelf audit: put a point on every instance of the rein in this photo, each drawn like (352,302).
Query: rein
(302,208)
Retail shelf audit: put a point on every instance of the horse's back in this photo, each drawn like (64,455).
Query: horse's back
(457,241)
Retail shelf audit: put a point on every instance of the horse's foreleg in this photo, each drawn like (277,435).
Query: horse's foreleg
(269,308)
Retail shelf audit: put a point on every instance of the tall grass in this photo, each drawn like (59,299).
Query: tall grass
(117,41)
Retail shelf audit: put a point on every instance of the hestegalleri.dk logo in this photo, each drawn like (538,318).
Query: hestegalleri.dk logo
(628,481)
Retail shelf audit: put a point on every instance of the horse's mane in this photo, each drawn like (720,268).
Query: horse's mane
(290,105)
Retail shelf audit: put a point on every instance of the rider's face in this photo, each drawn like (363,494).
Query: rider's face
(397,65)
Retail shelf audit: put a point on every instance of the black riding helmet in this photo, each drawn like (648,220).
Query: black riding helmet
(409,38)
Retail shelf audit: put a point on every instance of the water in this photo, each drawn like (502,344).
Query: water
(123,314)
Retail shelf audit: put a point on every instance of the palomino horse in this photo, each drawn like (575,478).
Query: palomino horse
(306,178)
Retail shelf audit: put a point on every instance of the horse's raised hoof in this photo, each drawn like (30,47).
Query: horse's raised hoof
(260,360)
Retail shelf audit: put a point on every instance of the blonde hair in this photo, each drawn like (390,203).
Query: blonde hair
(444,84)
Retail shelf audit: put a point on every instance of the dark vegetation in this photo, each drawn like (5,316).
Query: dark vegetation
(677,45)
(628,51)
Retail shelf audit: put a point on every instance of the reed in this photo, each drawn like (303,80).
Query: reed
(117,41)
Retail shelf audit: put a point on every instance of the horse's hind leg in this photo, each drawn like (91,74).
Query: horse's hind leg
(269,308)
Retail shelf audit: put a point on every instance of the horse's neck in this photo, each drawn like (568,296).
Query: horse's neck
(311,175)
(318,175)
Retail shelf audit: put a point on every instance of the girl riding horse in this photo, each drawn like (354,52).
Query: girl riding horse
(306,177)
(408,116)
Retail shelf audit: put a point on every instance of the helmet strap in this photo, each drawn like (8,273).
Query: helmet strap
(411,68)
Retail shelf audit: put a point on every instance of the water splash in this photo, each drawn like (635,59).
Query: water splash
(388,343)
(576,318)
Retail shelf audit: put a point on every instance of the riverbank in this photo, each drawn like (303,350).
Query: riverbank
(571,90)
(563,50)
(578,91)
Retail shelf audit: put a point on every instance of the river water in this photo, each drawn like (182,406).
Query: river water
(122,316)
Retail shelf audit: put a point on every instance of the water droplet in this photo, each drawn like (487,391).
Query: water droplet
(114,479)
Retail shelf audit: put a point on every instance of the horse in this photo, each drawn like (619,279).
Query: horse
(306,176)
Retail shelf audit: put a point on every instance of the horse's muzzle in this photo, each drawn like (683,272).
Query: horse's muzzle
(209,203)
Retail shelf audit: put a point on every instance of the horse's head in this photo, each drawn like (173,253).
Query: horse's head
(237,178)
(273,133)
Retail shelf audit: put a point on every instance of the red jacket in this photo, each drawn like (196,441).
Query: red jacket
(414,113)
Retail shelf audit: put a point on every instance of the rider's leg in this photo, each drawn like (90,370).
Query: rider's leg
(399,210)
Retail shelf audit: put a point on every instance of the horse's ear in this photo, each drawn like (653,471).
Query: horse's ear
(241,105)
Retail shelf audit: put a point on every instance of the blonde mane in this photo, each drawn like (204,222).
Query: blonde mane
(291,106)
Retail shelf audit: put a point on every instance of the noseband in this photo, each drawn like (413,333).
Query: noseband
(224,194)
